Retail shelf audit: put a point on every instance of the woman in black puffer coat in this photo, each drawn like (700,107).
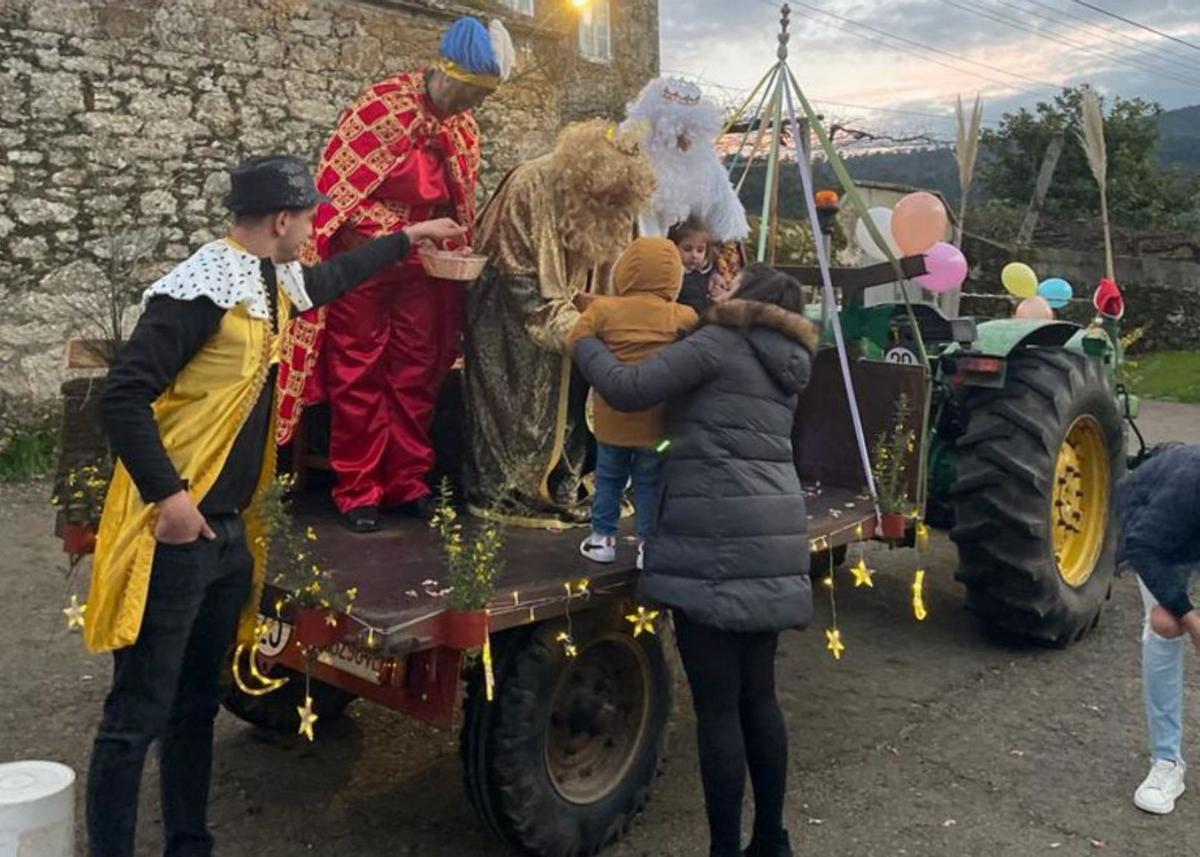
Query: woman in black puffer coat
(729,552)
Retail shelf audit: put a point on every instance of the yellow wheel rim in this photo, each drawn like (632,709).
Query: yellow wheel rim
(1079,515)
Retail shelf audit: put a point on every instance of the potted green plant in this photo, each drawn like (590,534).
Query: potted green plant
(472,565)
(80,501)
(894,449)
(319,610)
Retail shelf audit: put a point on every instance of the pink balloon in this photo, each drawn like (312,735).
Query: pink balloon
(918,222)
(945,266)
(1036,307)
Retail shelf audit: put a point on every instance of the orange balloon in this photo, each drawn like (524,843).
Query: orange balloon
(918,222)
(1036,307)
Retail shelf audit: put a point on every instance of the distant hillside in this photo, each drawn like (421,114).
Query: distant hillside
(929,168)
(1180,143)
(936,169)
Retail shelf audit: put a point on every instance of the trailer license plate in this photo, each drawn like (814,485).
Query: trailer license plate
(345,659)
(276,636)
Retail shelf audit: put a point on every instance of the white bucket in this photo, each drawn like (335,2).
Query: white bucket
(37,810)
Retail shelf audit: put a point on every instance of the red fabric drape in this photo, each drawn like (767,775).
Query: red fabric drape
(390,162)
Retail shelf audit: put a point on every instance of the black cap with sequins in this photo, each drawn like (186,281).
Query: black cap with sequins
(271,183)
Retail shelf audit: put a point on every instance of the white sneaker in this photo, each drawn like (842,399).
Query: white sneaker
(641,555)
(1158,791)
(599,548)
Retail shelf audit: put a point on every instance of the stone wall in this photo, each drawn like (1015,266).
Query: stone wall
(118,118)
(1161,295)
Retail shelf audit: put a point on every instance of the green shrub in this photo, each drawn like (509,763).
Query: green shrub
(27,451)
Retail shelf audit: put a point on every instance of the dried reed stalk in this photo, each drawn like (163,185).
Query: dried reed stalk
(966,152)
(1091,137)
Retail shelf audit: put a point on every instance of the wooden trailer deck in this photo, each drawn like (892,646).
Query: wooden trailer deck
(398,572)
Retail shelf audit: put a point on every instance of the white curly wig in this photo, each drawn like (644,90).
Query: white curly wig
(691,182)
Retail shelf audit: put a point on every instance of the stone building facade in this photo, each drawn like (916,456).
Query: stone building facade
(118,118)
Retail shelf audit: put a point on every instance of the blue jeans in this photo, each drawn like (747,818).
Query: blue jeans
(1162,685)
(615,465)
(165,689)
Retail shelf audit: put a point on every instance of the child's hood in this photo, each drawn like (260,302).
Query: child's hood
(649,266)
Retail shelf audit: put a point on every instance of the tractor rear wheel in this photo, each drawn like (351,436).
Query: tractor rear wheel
(1034,498)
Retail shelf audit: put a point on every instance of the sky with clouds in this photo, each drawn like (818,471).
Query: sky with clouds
(918,55)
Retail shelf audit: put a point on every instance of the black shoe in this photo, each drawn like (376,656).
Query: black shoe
(423,509)
(780,846)
(364,519)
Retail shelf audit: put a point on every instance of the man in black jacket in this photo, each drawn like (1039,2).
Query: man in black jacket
(188,409)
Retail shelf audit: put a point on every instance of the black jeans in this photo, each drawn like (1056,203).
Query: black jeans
(165,688)
(739,725)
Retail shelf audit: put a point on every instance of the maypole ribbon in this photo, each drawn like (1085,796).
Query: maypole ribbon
(831,300)
(770,80)
(860,207)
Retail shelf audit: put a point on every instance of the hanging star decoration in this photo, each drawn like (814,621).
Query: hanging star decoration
(308,718)
(918,600)
(568,644)
(922,537)
(74,614)
(833,642)
(642,620)
(862,574)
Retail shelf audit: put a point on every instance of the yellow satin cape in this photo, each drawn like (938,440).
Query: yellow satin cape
(198,417)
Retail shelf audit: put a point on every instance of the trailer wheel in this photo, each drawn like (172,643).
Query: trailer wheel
(1035,497)
(825,563)
(562,761)
(277,711)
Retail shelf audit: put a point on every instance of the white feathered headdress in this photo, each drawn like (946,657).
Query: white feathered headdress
(692,181)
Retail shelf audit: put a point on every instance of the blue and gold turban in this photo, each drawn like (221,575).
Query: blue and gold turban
(478,55)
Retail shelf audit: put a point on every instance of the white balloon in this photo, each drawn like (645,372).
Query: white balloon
(882,218)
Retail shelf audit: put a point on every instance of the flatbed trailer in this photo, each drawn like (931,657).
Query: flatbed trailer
(400,615)
(563,758)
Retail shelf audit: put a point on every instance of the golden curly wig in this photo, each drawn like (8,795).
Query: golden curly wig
(603,180)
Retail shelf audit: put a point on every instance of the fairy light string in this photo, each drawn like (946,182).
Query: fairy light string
(863,574)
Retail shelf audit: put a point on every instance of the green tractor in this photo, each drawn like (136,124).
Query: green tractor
(1027,447)
(1021,422)
(1025,440)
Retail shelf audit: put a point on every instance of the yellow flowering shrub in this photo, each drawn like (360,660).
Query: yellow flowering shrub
(81,495)
(893,450)
(290,561)
(472,562)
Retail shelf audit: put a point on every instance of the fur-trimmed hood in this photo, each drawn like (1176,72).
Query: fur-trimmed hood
(774,334)
(748,314)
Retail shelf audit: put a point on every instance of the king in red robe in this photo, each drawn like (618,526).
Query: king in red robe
(407,150)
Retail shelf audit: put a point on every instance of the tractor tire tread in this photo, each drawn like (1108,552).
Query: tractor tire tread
(1002,495)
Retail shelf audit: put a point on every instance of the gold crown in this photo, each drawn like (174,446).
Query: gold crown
(681,92)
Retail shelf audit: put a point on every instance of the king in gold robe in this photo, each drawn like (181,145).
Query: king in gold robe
(551,232)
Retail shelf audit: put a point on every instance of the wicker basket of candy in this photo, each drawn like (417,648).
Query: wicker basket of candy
(452,265)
